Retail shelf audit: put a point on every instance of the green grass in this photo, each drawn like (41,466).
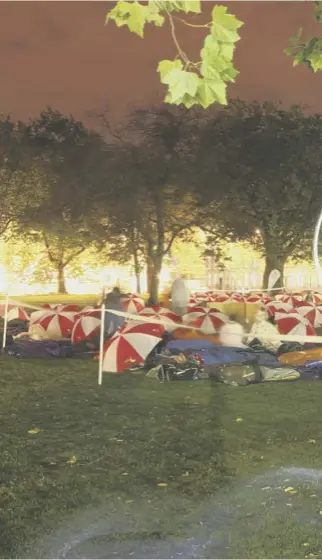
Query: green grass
(133,433)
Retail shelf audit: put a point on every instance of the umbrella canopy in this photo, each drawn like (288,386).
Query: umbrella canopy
(308,311)
(14,312)
(274,307)
(56,324)
(68,308)
(88,312)
(130,346)
(293,323)
(293,300)
(85,327)
(223,298)
(254,299)
(132,304)
(159,313)
(207,320)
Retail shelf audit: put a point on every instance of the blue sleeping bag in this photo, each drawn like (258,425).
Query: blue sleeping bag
(213,354)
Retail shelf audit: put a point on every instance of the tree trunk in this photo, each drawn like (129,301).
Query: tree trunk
(154,271)
(274,262)
(61,279)
(149,274)
(137,271)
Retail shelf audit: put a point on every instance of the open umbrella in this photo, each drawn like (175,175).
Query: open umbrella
(160,313)
(274,307)
(293,300)
(223,298)
(85,327)
(293,323)
(88,312)
(67,308)
(132,304)
(130,346)
(56,324)
(206,319)
(14,312)
(308,311)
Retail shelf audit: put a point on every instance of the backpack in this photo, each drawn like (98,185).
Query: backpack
(236,374)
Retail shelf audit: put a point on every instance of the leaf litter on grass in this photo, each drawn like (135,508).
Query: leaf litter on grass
(235,523)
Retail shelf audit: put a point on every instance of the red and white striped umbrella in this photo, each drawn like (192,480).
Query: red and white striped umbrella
(62,307)
(132,304)
(89,312)
(56,324)
(293,323)
(291,299)
(223,298)
(238,298)
(254,299)
(159,313)
(14,312)
(85,327)
(68,308)
(206,319)
(274,307)
(308,311)
(130,346)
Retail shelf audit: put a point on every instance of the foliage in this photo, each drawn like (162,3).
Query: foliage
(266,163)
(205,82)
(70,166)
(151,207)
(189,83)
(308,52)
(19,188)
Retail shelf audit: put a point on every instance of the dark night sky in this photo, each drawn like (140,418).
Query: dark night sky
(61,54)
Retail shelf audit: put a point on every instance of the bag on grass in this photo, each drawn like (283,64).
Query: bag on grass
(279,374)
(236,374)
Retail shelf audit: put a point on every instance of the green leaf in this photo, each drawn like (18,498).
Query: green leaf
(217,60)
(184,6)
(224,26)
(315,60)
(135,15)
(211,92)
(165,66)
(180,83)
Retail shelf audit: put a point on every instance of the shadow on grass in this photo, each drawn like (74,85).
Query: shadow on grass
(146,487)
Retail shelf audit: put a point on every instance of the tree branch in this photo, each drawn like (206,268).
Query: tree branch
(49,253)
(175,40)
(73,256)
(191,24)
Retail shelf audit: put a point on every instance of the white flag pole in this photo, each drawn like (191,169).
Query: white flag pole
(101,354)
(4,338)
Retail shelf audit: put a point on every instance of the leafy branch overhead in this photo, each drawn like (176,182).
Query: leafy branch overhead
(308,52)
(189,83)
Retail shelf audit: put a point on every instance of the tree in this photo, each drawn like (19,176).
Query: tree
(204,82)
(261,177)
(19,188)
(70,167)
(151,207)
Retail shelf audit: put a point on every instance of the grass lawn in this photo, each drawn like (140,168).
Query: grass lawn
(136,468)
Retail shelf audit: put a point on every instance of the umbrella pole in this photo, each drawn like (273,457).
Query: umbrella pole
(101,354)
(5,322)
